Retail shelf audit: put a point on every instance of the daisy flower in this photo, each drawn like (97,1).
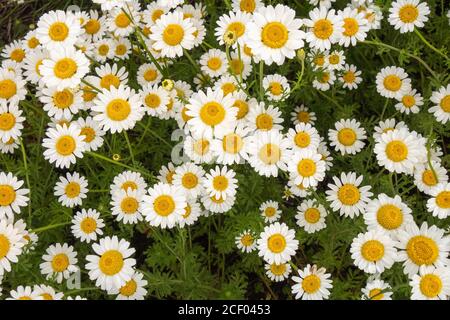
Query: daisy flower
(164,206)
(426,246)
(86,225)
(277,243)
(312,284)
(198,150)
(399,151)
(276,87)
(388,214)
(239,65)
(12,87)
(306,167)
(47,292)
(425,179)
(301,114)
(109,75)
(61,103)
(248,6)
(64,68)
(347,136)
(325,28)
(387,125)
(172,34)
(189,177)
(410,102)
(212,113)
(59,262)
(220,183)
(324,80)
(153,12)
(439,204)
(12,195)
(58,29)
(214,63)
(94,27)
(347,196)
(228,84)
(166,173)
(119,22)
(355,27)
(24,293)
(440,108)
(335,60)
(103,49)
(117,109)
(262,118)
(133,289)
(269,211)
(93,134)
(148,74)
(269,151)
(350,77)
(297,190)
(32,64)
(246,241)
(243,104)
(278,272)
(10,122)
(405,15)
(8,147)
(14,52)
(121,48)
(30,41)
(274,34)
(192,212)
(71,189)
(127,205)
(219,205)
(155,100)
(373,251)
(236,22)
(393,82)
(63,145)
(430,284)
(377,290)
(311,216)
(10,246)
(233,146)
(111,265)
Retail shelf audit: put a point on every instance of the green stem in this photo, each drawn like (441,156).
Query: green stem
(51,226)
(261,73)
(330,99)
(91,85)
(420,35)
(196,67)
(384,109)
(27,176)
(129,148)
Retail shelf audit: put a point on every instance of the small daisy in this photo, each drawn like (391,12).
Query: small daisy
(347,136)
(228,84)
(111,265)
(278,272)
(270,211)
(14,52)
(121,48)
(119,23)
(426,246)
(277,243)
(32,64)
(393,82)
(297,190)
(155,100)
(431,284)
(246,241)
(373,251)
(240,65)
(127,206)
(30,41)
(387,125)
(405,15)
(12,87)
(262,118)
(192,212)
(244,104)
(350,77)
(306,167)
(325,28)
(164,206)
(86,225)
(189,177)
(9,147)
(133,289)
(61,103)
(301,114)
(377,290)
(47,292)
(347,196)
(388,214)
(94,27)
(335,60)
(324,80)
(236,22)
(276,87)
(399,151)
(425,178)
(166,173)
(10,122)
(12,195)
(153,12)
(24,293)
(217,205)
(148,74)
(198,150)
(220,183)
(59,262)
(410,102)
(441,104)
(71,189)
(10,246)
(274,34)
(93,134)
(233,146)
(58,29)
(128,180)
(103,50)
(214,63)
(248,6)
(355,27)
(117,109)
(439,204)
(312,284)
(109,75)
(311,216)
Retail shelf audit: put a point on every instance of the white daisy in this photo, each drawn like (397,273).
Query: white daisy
(10,246)
(301,114)
(410,102)
(128,180)
(439,204)
(277,243)
(405,15)
(246,241)
(312,284)
(71,189)
(324,80)
(278,272)
(306,167)
(262,118)
(127,205)
(198,150)
(430,284)
(24,293)
(426,177)
(276,87)
(214,63)
(387,125)
(12,195)
(192,212)
(133,289)
(350,77)
(189,177)
(61,103)
(10,122)
(311,216)
(166,173)
(269,211)
(155,100)
(148,74)
(441,104)
(93,134)
(220,183)
(58,29)
(393,82)
(236,22)
(335,60)
(248,6)
(377,290)
(59,262)
(217,205)
(12,87)
(233,146)
(47,292)
(347,136)
(86,225)
(355,27)
(325,28)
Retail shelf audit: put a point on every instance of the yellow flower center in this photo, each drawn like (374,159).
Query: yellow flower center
(184,115)
(247,240)
(375,294)
(7,195)
(264,121)
(228,88)
(118,109)
(7,121)
(351,27)
(109,80)
(237,27)
(220,183)
(270,154)
(72,190)
(349,77)
(311,284)
(347,136)
(17,55)
(111,262)
(65,68)
(65,145)
(422,250)
(156,14)
(248,50)
(169,177)
(348,194)
(274,35)
(152,100)
(276,88)
(445,103)
(312,215)
(63,99)
(33,42)
(129,288)
(390,217)
(121,49)
(247,5)
(408,13)
(8,89)
(150,75)
(372,250)
(60,262)
(303,116)
(408,101)
(270,212)
(173,34)
(396,150)
(129,185)
(214,63)
(122,21)
(443,200)
(88,133)
(187,211)
(319,60)
(232,143)
(428,178)
(92,26)
(306,168)
(323,29)
(430,285)
(46,296)
(88,94)
(278,269)
(58,31)
(164,205)
(5,245)
(242,108)
(236,66)
(189,180)
(212,113)
(276,243)
(392,82)
(129,205)
(302,139)
(201,146)
(334,59)
(103,49)
(88,225)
